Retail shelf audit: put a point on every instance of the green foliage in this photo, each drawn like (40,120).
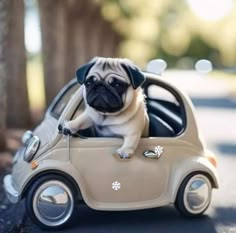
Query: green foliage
(169,29)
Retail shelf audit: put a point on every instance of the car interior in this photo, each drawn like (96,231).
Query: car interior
(165,110)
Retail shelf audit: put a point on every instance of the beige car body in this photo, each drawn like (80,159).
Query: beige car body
(90,164)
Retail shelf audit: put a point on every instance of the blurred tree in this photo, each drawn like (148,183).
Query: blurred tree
(138,21)
(170,29)
(72,33)
(181,37)
(4,13)
(18,113)
(53,17)
(89,34)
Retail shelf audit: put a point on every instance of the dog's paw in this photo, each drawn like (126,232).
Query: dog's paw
(121,156)
(124,154)
(60,128)
(63,129)
(67,131)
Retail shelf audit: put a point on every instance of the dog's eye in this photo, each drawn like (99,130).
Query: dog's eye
(94,78)
(114,82)
(111,80)
(87,83)
(117,84)
(90,80)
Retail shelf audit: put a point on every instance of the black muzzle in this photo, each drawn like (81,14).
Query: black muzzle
(104,98)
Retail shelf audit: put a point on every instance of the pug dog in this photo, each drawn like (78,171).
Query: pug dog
(114,102)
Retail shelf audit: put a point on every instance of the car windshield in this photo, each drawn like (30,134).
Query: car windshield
(63,98)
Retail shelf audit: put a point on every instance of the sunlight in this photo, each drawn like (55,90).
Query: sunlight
(211,10)
(33,44)
(35,84)
(32,32)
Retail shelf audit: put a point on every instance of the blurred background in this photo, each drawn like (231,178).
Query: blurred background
(43,42)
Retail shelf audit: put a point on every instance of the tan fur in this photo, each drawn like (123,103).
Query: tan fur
(131,122)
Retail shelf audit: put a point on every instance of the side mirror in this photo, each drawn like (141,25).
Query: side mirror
(157,66)
(26,137)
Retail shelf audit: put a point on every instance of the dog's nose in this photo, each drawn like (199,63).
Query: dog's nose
(101,88)
(100,105)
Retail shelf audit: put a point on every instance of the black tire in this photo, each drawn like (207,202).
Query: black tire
(179,201)
(30,198)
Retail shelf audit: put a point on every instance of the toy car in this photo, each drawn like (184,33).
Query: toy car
(53,172)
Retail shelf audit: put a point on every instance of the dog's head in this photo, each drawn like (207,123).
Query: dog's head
(109,83)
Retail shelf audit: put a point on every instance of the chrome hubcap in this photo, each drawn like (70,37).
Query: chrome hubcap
(53,203)
(197,194)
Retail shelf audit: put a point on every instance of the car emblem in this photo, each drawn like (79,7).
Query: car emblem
(116,185)
(159,150)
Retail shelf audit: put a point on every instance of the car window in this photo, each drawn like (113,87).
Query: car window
(83,133)
(160,93)
(63,100)
(167,106)
(165,109)
(80,108)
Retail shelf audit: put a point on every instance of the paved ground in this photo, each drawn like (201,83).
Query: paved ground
(216,114)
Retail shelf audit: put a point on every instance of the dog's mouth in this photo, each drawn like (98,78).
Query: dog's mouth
(104,99)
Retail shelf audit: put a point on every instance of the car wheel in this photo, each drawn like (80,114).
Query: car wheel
(194,195)
(50,202)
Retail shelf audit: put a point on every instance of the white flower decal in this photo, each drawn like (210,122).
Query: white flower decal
(159,150)
(116,185)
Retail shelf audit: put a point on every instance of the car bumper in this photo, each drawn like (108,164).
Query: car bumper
(12,195)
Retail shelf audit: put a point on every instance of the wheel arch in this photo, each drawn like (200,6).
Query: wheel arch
(182,206)
(191,173)
(65,175)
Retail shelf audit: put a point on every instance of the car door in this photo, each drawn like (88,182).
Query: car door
(121,183)
(109,182)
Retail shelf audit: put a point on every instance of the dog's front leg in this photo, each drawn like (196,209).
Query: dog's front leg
(129,146)
(83,121)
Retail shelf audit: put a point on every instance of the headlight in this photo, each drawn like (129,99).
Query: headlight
(31,148)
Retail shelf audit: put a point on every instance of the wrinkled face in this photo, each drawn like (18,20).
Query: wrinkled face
(108,88)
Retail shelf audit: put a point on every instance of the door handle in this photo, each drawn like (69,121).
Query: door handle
(154,154)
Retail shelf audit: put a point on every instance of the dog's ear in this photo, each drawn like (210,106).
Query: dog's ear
(82,72)
(137,78)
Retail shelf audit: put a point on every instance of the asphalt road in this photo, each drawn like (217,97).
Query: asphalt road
(216,116)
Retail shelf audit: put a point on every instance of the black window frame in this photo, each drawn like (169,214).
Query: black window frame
(59,96)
